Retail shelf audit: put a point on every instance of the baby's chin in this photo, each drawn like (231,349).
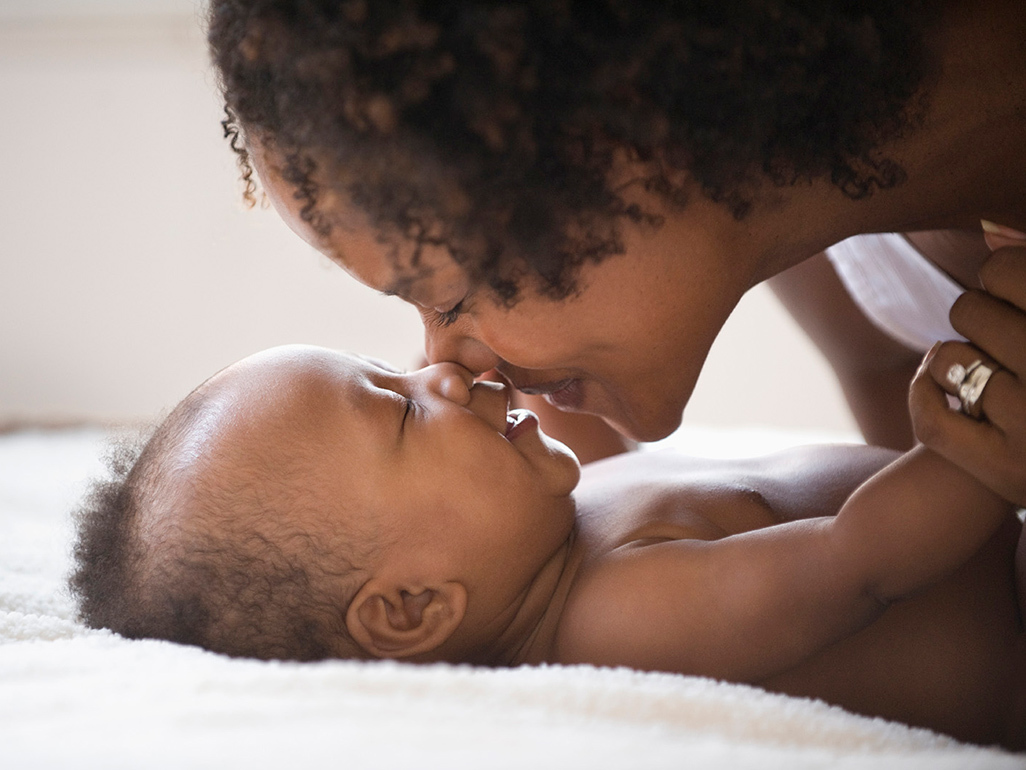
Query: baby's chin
(564,462)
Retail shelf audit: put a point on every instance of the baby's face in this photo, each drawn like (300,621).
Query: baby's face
(431,462)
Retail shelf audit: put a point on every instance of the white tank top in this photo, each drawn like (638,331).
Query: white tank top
(898,289)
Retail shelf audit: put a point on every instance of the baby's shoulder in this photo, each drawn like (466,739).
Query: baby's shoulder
(614,600)
(652,496)
(656,497)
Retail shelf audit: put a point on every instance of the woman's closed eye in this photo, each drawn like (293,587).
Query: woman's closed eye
(435,317)
(448,317)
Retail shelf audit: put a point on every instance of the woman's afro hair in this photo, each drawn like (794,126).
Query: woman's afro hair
(492,128)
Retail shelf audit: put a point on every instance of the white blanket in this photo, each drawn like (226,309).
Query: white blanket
(71,697)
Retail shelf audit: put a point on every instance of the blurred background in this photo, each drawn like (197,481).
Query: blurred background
(130,270)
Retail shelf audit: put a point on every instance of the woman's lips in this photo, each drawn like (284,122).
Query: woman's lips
(570,396)
(563,394)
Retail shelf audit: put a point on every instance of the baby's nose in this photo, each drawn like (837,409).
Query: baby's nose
(453,382)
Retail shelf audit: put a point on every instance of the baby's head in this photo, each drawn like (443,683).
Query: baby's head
(304,504)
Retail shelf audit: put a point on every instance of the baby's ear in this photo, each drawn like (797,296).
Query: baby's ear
(395,622)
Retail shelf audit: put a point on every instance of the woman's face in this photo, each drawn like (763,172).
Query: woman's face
(431,464)
(628,346)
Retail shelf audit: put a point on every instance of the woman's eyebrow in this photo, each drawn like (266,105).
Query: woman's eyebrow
(400,287)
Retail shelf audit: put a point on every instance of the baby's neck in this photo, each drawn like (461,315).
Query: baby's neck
(529,636)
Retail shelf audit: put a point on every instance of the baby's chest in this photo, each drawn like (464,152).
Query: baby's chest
(672,510)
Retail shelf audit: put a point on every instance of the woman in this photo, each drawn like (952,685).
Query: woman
(577,194)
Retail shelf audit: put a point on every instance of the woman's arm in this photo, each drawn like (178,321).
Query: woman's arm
(873,370)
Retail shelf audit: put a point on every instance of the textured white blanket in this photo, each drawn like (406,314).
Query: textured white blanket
(71,697)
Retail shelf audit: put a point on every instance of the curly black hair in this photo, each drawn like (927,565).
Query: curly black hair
(217,582)
(492,127)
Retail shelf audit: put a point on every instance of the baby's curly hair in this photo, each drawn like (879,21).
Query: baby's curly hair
(492,127)
(234,578)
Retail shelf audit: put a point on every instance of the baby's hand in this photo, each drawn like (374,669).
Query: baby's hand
(990,441)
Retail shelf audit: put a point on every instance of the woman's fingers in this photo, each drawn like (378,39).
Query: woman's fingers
(968,399)
(993,447)
(998,399)
(999,311)
(1004,274)
(997,235)
(996,327)
(995,318)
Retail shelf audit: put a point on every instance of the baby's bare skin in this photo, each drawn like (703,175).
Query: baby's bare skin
(883,583)
(950,658)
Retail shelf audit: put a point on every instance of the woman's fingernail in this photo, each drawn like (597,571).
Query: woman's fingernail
(998,235)
(927,358)
(996,229)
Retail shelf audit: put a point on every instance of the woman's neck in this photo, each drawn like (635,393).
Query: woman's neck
(965,158)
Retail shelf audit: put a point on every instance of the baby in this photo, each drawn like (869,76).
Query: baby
(307,504)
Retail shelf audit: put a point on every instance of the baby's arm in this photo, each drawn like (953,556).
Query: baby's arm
(916,521)
(751,605)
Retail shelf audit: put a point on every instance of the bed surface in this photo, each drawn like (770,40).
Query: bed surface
(73,697)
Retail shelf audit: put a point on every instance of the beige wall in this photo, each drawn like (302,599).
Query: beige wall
(129,270)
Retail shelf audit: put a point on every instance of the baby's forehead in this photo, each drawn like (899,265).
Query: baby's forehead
(286,377)
(254,435)
(293,362)
(285,405)
(246,402)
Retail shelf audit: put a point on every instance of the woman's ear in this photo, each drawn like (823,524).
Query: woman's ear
(397,622)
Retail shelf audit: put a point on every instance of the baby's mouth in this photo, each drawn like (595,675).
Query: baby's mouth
(516,421)
(513,419)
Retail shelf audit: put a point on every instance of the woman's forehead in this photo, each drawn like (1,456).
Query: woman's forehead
(427,276)
(419,267)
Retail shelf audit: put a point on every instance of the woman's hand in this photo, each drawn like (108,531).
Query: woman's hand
(993,447)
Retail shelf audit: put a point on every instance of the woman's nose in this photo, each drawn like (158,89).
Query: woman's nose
(450,344)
